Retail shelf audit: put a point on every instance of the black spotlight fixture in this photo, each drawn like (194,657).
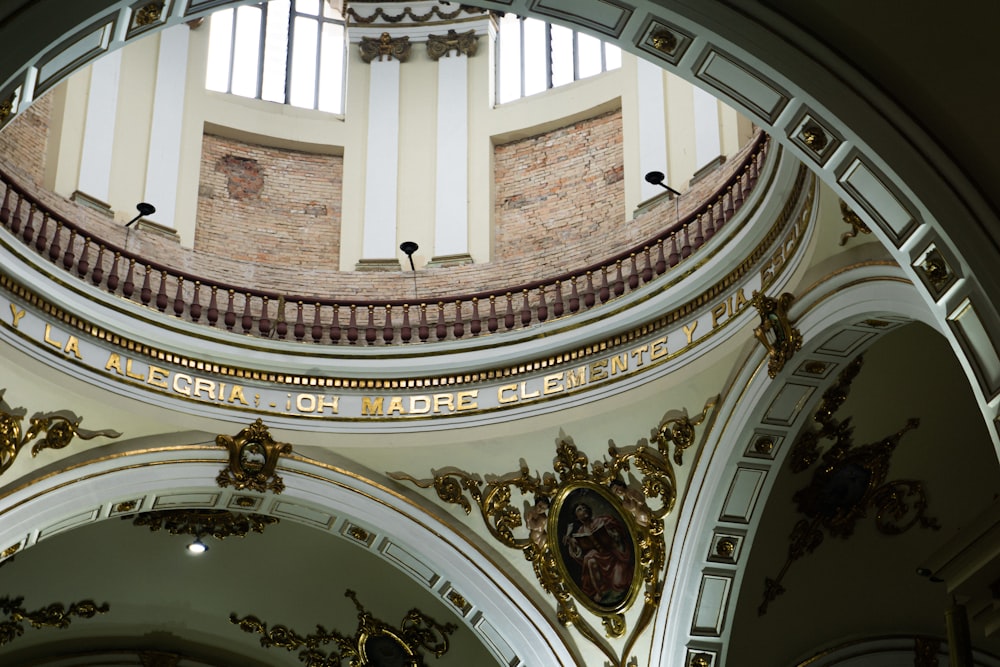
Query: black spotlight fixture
(144,209)
(409,247)
(656,178)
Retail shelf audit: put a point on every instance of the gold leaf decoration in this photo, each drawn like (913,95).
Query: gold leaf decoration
(253,457)
(55,615)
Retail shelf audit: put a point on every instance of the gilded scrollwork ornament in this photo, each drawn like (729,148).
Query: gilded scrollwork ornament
(385,47)
(464,44)
(55,615)
(59,429)
(592,530)
(373,643)
(253,457)
(848,483)
(775,332)
(219,524)
(854,220)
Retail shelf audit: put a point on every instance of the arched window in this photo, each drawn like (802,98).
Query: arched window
(285,51)
(533,56)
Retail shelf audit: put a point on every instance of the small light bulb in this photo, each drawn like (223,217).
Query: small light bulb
(197,547)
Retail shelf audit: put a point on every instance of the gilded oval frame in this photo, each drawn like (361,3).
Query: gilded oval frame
(610,552)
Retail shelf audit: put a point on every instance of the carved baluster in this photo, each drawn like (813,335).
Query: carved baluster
(738,196)
(508,316)
(699,237)
(441,331)
(728,199)
(264,323)
(42,240)
(588,293)
(247,320)
(574,296)
(709,223)
(370,328)
(633,276)
(128,289)
(5,209)
(281,326)
(491,320)
(661,263)
(29,228)
(542,311)
(335,329)
(686,248)
(647,270)
(113,274)
(83,266)
(213,306)
(195,310)
(387,331)
(68,257)
(525,309)
(299,330)
(604,292)
(161,295)
(97,275)
(55,247)
(352,326)
(179,297)
(476,325)
(558,306)
(458,326)
(229,319)
(317,326)
(406,331)
(15,226)
(674,256)
(423,330)
(619,282)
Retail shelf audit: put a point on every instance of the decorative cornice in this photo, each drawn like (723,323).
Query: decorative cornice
(379,14)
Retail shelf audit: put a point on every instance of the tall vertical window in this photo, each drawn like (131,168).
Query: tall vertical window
(286,51)
(533,56)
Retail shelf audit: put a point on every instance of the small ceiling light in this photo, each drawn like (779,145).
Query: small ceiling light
(144,209)
(197,547)
(409,247)
(656,178)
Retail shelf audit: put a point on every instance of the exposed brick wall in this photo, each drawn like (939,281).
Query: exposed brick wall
(254,254)
(24,141)
(560,196)
(287,202)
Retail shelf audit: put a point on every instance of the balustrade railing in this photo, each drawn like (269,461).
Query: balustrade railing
(271,314)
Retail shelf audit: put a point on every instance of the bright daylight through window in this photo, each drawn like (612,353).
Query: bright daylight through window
(285,51)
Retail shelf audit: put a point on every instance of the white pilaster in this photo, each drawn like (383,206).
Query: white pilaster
(652,126)
(707,139)
(382,160)
(163,162)
(99,128)
(451,227)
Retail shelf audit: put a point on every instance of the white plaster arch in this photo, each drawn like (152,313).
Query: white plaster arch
(732,486)
(92,486)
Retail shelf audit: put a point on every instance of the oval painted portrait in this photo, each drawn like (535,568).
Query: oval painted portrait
(596,547)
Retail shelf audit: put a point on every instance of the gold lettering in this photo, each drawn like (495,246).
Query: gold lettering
(467,400)
(396,405)
(637,355)
(288,402)
(208,386)
(114,363)
(765,276)
(507,388)
(305,403)
(371,406)
(550,384)
(619,363)
(447,399)
(719,310)
(157,377)
(741,300)
(53,343)
(690,332)
(186,390)
(658,349)
(73,345)
(236,394)
(576,377)
(129,373)
(323,402)
(222,391)
(524,391)
(16,314)
(423,409)
(598,370)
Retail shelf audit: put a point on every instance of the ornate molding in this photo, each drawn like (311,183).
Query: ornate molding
(219,524)
(776,333)
(385,47)
(55,615)
(854,220)
(435,12)
(59,427)
(588,530)
(848,483)
(465,44)
(373,643)
(253,456)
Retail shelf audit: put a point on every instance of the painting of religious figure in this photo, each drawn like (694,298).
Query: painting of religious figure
(594,538)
